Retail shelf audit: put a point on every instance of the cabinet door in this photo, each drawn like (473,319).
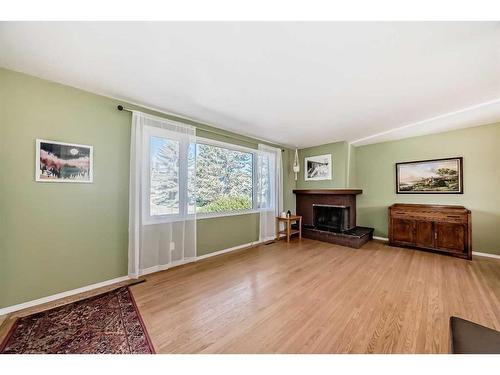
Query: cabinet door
(451,237)
(403,231)
(424,234)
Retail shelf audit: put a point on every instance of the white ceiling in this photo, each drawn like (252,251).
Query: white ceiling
(296,84)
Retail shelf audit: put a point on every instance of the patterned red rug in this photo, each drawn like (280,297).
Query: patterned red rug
(108,323)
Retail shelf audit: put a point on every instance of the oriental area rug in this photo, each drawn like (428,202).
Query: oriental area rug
(108,323)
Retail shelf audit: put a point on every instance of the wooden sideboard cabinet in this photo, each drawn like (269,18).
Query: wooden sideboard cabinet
(445,229)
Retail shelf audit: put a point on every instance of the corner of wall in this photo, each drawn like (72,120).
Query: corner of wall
(351,166)
(289,183)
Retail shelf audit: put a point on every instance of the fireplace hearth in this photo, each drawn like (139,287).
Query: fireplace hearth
(330,215)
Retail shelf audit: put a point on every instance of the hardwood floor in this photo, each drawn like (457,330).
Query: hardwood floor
(314,297)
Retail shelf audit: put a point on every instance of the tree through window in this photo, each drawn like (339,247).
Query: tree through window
(224,179)
(164,176)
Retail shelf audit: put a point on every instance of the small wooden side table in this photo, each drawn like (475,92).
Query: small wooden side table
(288,226)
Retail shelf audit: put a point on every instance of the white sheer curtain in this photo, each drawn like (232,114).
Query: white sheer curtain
(269,187)
(162,215)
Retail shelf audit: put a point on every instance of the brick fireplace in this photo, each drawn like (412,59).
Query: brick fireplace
(330,215)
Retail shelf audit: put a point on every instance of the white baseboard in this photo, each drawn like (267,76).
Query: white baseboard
(164,267)
(24,305)
(476,253)
(488,255)
(245,245)
(195,259)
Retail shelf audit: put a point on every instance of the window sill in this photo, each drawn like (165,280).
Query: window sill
(158,220)
(223,214)
(203,216)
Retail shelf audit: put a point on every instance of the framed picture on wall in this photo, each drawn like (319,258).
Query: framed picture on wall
(63,162)
(318,168)
(437,176)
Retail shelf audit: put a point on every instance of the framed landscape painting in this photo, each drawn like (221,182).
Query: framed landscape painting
(63,162)
(318,168)
(438,176)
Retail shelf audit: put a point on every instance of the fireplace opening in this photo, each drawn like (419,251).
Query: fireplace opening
(331,218)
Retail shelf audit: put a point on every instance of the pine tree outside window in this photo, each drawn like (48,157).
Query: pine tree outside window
(164,176)
(168,181)
(223,179)
(232,179)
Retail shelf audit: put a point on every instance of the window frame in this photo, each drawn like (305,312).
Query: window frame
(233,147)
(147,218)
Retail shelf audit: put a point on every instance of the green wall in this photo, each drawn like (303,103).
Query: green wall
(339,151)
(480,148)
(58,237)
(226,232)
(351,167)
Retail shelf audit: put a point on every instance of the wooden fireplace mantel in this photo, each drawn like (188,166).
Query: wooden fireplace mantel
(329,191)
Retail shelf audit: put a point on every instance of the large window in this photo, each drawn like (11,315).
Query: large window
(224,179)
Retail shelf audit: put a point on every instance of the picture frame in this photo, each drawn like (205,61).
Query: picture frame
(433,176)
(318,168)
(61,162)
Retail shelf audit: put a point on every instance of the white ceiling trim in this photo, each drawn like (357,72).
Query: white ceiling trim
(476,115)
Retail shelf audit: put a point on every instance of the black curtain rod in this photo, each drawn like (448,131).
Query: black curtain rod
(122,108)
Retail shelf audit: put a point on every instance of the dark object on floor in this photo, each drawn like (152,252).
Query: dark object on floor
(471,338)
(108,323)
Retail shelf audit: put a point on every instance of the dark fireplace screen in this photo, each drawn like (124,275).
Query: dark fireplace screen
(331,218)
